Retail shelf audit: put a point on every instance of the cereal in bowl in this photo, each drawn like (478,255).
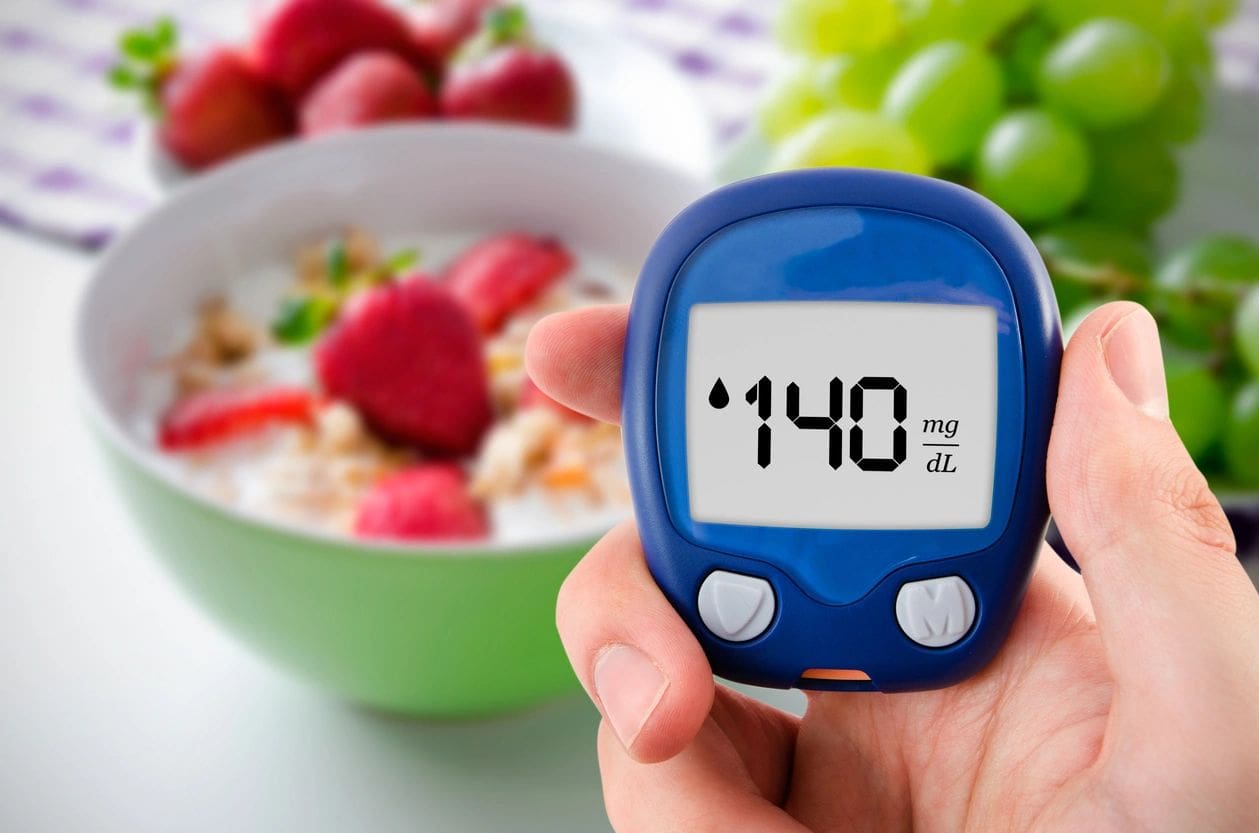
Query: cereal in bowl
(383,401)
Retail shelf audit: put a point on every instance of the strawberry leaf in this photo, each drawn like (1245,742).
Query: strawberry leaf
(147,57)
(165,33)
(139,46)
(400,261)
(123,77)
(507,24)
(500,27)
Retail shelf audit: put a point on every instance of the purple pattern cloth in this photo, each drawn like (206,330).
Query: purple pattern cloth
(70,169)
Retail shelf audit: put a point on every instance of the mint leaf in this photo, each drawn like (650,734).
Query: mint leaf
(300,320)
(338,265)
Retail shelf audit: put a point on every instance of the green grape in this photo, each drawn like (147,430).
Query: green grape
(1246,331)
(1201,286)
(946,95)
(1067,14)
(832,27)
(853,139)
(1187,39)
(1199,407)
(1105,73)
(975,21)
(1181,113)
(791,103)
(857,81)
(1217,12)
(1034,164)
(1087,259)
(1188,42)
(1241,437)
(1024,48)
(1135,179)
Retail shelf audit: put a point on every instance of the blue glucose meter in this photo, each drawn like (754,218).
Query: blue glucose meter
(838,392)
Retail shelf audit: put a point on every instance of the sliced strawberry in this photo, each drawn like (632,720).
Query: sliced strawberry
(409,357)
(220,414)
(502,274)
(427,502)
(532,396)
(366,88)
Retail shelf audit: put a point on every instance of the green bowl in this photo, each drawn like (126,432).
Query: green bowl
(438,631)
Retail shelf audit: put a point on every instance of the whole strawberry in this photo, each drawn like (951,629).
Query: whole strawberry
(426,502)
(439,28)
(299,41)
(367,88)
(210,107)
(504,76)
(501,274)
(409,357)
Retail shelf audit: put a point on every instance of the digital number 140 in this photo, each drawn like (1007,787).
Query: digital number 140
(761,396)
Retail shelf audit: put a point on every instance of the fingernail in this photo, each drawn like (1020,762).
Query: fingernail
(629,686)
(1135,359)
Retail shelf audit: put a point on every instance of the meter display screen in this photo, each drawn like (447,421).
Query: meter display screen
(841,415)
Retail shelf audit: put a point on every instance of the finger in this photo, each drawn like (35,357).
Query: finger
(722,781)
(1056,601)
(1157,554)
(575,358)
(637,659)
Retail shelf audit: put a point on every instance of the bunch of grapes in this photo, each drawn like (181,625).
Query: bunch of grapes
(1067,113)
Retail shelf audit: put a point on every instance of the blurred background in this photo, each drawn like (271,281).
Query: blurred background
(240,588)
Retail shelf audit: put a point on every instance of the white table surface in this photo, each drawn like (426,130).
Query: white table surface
(123,709)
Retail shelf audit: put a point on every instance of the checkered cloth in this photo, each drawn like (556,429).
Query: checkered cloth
(69,164)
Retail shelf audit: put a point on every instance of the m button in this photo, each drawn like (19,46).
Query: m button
(937,612)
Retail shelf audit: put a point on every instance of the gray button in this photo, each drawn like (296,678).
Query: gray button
(936,612)
(736,607)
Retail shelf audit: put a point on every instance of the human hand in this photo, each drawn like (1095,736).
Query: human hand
(1125,700)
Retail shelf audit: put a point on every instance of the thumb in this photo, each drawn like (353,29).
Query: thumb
(1173,604)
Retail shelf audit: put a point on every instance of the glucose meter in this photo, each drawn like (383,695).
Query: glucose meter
(838,391)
